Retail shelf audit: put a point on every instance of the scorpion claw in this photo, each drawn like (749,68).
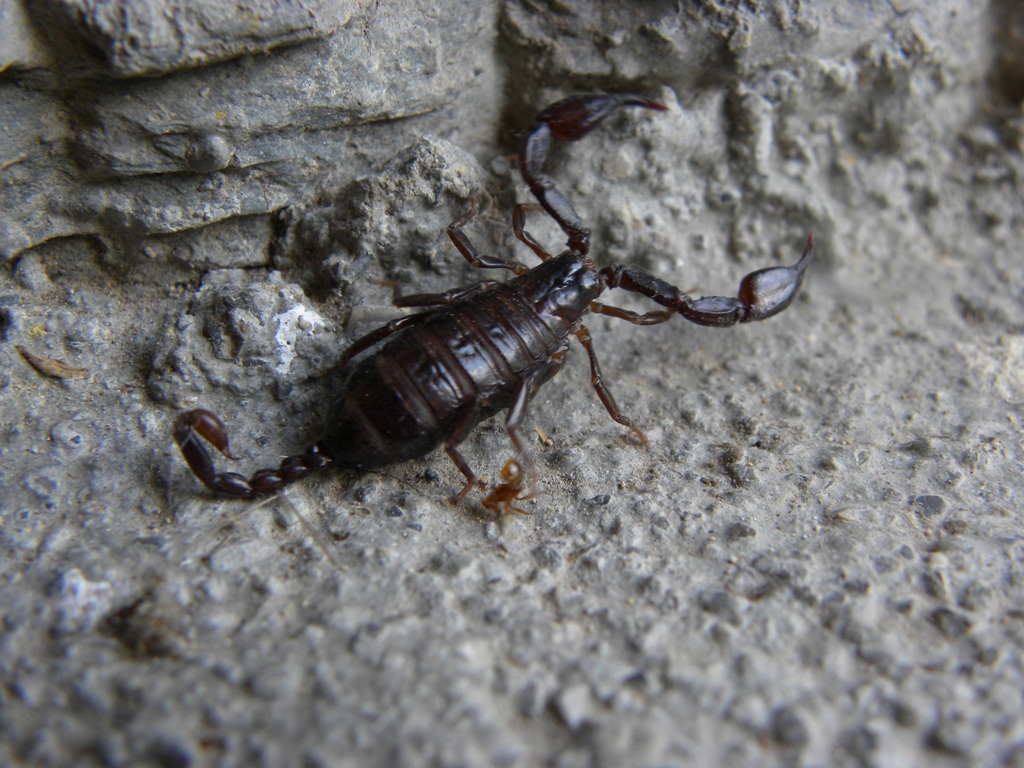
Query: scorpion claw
(573,118)
(639,435)
(470,484)
(767,292)
(568,120)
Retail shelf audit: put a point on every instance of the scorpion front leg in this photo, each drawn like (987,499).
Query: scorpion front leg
(605,394)
(472,480)
(762,294)
(468,250)
(192,425)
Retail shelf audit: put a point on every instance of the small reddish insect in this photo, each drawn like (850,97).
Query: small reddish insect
(431,377)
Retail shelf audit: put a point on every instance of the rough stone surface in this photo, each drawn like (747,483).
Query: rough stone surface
(252,110)
(816,561)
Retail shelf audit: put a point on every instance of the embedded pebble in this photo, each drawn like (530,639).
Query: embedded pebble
(929,506)
(788,728)
(67,435)
(574,705)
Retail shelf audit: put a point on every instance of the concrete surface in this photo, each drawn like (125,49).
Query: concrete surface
(818,560)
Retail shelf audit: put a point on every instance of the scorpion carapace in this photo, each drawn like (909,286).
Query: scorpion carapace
(431,377)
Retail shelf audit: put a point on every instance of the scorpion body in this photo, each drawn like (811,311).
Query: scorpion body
(488,347)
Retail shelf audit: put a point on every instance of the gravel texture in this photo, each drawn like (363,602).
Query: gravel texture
(817,561)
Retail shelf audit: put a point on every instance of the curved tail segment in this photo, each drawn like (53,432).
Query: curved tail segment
(192,425)
(568,120)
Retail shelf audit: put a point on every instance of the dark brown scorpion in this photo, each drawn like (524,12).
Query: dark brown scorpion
(487,347)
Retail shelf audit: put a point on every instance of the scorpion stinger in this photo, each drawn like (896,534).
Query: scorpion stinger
(192,425)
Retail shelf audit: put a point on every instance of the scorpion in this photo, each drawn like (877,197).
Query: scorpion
(488,347)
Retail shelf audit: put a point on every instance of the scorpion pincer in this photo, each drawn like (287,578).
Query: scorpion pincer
(431,377)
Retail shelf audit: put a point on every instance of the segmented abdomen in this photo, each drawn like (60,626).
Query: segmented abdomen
(435,380)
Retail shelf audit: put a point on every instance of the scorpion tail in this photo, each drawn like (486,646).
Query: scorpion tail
(568,120)
(192,425)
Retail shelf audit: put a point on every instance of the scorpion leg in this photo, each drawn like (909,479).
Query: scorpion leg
(192,425)
(469,419)
(440,299)
(567,120)
(762,294)
(471,479)
(519,212)
(602,390)
(647,318)
(520,473)
(363,343)
(469,252)
(514,417)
